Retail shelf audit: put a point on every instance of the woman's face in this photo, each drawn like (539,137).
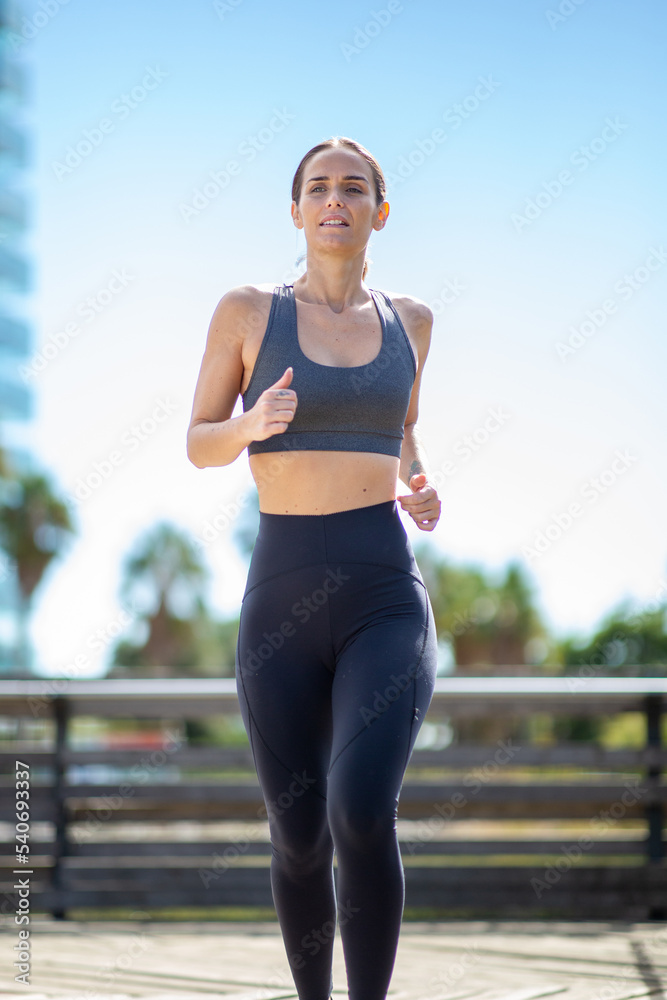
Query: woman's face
(338,183)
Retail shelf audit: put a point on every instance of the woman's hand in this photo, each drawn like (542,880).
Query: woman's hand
(274,410)
(422,504)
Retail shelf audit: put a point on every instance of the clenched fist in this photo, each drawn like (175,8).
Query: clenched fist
(422,504)
(274,410)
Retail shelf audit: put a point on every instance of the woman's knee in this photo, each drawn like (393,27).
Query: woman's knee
(298,854)
(362,826)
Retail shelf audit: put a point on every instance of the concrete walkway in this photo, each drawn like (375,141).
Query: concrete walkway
(102,960)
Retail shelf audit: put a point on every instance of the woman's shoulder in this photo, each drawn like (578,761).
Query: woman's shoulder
(240,318)
(243,308)
(241,296)
(416,315)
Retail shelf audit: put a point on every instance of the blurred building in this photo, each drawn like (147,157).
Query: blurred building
(16,397)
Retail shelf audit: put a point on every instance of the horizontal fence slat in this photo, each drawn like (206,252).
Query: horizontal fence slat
(440,801)
(601,892)
(459,695)
(517,810)
(414,847)
(461,756)
(472,787)
(647,880)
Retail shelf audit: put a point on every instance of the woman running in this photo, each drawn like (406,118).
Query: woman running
(336,653)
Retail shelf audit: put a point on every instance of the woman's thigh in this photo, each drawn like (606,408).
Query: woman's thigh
(284,682)
(383,685)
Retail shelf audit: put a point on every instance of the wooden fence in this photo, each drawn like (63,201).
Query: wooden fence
(486,834)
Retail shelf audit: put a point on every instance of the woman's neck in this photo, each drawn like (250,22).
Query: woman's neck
(336,283)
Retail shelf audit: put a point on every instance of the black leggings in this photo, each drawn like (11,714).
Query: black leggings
(335,670)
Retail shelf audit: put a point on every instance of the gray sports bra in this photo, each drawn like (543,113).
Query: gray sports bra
(339,409)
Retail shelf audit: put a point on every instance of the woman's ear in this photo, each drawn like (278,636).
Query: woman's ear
(381,218)
(296,216)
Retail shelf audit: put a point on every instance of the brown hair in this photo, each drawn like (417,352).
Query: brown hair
(336,142)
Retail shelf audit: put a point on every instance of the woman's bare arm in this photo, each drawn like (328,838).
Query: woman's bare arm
(422,504)
(214,437)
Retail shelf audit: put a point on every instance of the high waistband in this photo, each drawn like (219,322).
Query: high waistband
(372,535)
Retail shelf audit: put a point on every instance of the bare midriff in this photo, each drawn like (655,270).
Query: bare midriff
(322,482)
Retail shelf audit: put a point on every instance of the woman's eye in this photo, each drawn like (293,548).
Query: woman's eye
(320,187)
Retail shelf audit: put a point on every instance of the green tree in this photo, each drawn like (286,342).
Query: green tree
(164,582)
(518,635)
(625,643)
(35,526)
(486,624)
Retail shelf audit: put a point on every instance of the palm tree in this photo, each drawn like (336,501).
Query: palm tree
(34,528)
(516,621)
(486,625)
(164,581)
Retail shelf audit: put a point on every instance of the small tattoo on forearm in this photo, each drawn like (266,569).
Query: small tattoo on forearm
(416,469)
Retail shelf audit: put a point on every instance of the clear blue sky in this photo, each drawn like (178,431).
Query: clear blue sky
(525,149)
